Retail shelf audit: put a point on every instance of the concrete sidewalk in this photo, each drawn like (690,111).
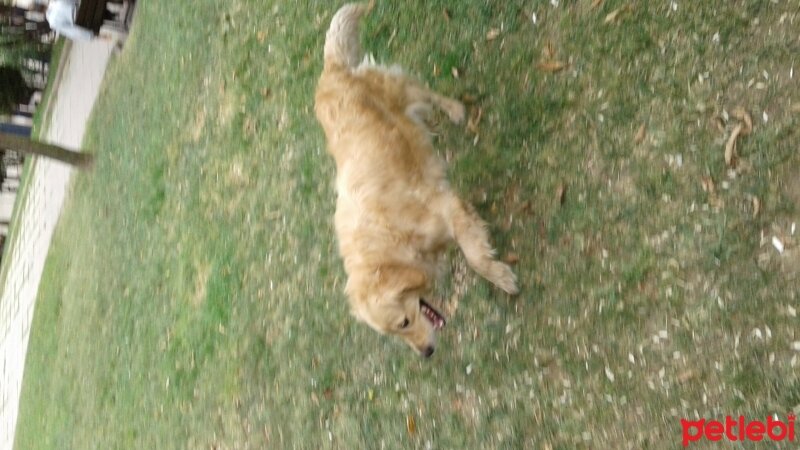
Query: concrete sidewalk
(73,97)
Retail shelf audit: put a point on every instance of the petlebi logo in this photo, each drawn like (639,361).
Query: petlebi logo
(738,430)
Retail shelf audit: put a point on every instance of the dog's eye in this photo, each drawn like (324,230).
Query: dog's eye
(405,323)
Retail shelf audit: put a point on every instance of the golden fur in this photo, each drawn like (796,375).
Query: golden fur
(395,212)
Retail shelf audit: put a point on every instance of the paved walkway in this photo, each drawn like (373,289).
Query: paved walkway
(75,93)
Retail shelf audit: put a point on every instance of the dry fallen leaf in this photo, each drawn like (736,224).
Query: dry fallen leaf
(743,128)
(778,244)
(492,34)
(687,375)
(612,16)
(262,36)
(719,124)
(474,120)
(469,99)
(596,3)
(641,133)
(709,188)
(454,71)
(756,206)
(561,193)
(610,374)
(446,14)
(548,52)
(615,15)
(708,185)
(512,258)
(730,146)
(551,66)
(742,114)
(411,425)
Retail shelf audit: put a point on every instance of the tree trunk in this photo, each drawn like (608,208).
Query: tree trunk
(24,145)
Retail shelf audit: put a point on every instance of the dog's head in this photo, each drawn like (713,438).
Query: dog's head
(391,300)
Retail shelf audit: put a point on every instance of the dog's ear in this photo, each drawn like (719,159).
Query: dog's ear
(396,279)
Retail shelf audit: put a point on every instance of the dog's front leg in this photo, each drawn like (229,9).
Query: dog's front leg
(469,231)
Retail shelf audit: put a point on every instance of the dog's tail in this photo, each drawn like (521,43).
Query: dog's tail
(342,46)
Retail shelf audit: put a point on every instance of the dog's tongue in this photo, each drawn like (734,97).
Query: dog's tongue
(436,319)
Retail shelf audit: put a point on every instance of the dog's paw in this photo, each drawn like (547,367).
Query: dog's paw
(455,111)
(504,278)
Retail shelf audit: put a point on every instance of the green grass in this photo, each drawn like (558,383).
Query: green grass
(193,295)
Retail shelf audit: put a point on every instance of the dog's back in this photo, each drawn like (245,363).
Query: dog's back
(362,106)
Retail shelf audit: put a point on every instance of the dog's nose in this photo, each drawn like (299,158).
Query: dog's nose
(427,352)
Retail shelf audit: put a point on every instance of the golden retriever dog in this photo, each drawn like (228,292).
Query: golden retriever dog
(395,212)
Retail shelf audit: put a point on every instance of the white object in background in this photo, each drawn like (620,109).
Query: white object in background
(61,17)
(777,244)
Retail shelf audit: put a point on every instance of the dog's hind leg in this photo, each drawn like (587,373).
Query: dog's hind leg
(419,112)
(469,231)
(416,93)
(410,95)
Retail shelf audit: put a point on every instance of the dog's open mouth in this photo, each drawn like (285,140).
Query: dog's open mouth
(436,319)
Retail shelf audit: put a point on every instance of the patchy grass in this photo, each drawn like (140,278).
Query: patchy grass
(193,297)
